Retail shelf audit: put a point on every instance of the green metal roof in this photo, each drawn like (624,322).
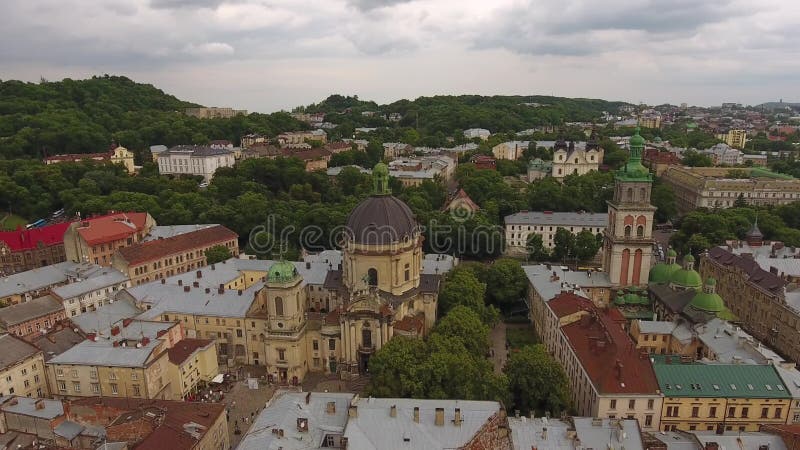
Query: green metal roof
(661,272)
(718,380)
(686,279)
(281,272)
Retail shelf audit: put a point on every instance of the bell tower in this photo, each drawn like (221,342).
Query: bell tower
(628,241)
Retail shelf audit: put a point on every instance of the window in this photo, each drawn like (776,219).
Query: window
(62,386)
(329,441)
(239,332)
(315,344)
(631,404)
(59,372)
(26,383)
(112,376)
(114,389)
(372,277)
(136,391)
(648,420)
(695,411)
(76,386)
(281,354)
(650,403)
(712,411)
(331,344)
(408,271)
(95,388)
(613,404)
(731,411)
(764,413)
(24,371)
(134,376)
(93,374)
(777,413)
(36,378)
(316,362)
(278,306)
(640,231)
(745,410)
(627,230)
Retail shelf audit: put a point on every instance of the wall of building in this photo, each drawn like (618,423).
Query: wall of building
(713,412)
(169,265)
(26,378)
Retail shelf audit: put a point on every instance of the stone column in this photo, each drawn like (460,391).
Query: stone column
(391,331)
(353,349)
(343,341)
(380,334)
(384,331)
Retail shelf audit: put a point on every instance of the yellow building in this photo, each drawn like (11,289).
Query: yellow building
(191,362)
(727,397)
(22,369)
(121,155)
(129,359)
(734,138)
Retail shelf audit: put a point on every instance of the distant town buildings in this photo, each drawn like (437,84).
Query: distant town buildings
(22,250)
(299,139)
(511,150)
(214,112)
(480,133)
(568,159)
(414,171)
(117,155)
(194,160)
(484,162)
(724,155)
(736,138)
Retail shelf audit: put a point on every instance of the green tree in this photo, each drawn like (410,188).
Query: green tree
(563,244)
(692,158)
(586,245)
(740,202)
(537,252)
(465,324)
(506,282)
(394,369)
(217,254)
(536,381)
(663,198)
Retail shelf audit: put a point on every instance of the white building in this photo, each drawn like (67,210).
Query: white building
(473,133)
(89,294)
(724,154)
(520,225)
(511,150)
(569,159)
(194,160)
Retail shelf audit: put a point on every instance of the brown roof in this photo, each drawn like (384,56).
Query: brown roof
(30,310)
(78,156)
(610,357)
(186,348)
(567,303)
(111,227)
(14,350)
(307,155)
(159,248)
(168,431)
(755,274)
(414,324)
(463,198)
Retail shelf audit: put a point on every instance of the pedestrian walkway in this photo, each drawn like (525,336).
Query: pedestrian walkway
(497,350)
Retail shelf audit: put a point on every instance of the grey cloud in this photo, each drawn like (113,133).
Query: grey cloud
(185,4)
(369,5)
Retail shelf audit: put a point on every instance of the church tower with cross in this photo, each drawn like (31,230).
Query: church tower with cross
(628,241)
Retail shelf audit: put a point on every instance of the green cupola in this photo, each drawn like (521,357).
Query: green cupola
(633,170)
(380,180)
(282,272)
(662,272)
(708,300)
(686,277)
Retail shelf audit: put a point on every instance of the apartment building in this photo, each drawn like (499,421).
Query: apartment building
(22,250)
(724,155)
(22,370)
(519,226)
(480,133)
(192,361)
(214,112)
(720,397)
(510,150)
(414,171)
(736,138)
(298,139)
(161,258)
(195,160)
(31,319)
(95,239)
(710,187)
(569,159)
(25,286)
(89,294)
(127,359)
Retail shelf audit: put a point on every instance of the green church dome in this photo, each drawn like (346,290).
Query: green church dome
(281,272)
(637,140)
(662,272)
(672,253)
(707,300)
(688,279)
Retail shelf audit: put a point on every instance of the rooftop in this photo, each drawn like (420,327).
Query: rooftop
(21,239)
(195,151)
(30,310)
(185,348)
(168,231)
(14,350)
(739,440)
(168,299)
(148,251)
(284,412)
(111,227)
(34,407)
(614,433)
(584,219)
(528,433)
(549,280)
(42,277)
(567,303)
(375,428)
(105,316)
(57,341)
(106,277)
(718,380)
(756,275)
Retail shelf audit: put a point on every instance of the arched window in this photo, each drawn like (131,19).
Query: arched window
(627,230)
(640,231)
(278,306)
(372,277)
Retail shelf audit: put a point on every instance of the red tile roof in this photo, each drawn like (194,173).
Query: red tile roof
(186,348)
(567,303)
(463,198)
(610,357)
(412,324)
(111,227)
(148,251)
(79,156)
(20,239)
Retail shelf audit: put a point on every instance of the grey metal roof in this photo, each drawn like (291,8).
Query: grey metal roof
(283,411)
(68,429)
(374,428)
(730,343)
(437,264)
(101,352)
(540,277)
(558,219)
(599,432)
(105,316)
(196,151)
(23,312)
(736,440)
(166,299)
(50,409)
(42,277)
(57,342)
(528,433)
(168,231)
(106,278)
(14,350)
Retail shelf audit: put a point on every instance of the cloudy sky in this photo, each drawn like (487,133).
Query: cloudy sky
(265,55)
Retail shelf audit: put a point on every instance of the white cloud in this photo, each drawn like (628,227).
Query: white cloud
(210,49)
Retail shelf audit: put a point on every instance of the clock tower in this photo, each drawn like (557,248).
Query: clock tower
(628,241)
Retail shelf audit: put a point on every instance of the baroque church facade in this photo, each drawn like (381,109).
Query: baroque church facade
(377,292)
(569,159)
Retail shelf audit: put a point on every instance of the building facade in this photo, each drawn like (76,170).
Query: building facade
(571,160)
(511,150)
(214,112)
(736,138)
(22,370)
(191,362)
(519,226)
(95,239)
(710,187)
(23,250)
(33,318)
(628,241)
(82,296)
(161,258)
(194,160)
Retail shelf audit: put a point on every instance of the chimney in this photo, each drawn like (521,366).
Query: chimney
(457,417)
(416,414)
(115,331)
(330,408)
(180,282)
(145,341)
(91,336)
(208,290)
(439,417)
(126,322)
(711,446)
(308,398)
(213,267)
(164,281)
(343,443)
(308,265)
(199,274)
(393,411)
(39,404)
(196,284)
(544,433)
(352,411)
(186,288)
(240,292)
(221,289)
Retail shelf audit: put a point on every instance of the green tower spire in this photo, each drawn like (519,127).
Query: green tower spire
(380,180)
(633,169)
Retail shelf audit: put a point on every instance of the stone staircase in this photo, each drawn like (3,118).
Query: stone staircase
(358,384)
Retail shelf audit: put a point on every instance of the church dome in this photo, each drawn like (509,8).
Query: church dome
(662,272)
(637,140)
(687,277)
(281,272)
(382,218)
(708,300)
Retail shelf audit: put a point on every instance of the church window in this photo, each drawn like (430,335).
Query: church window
(627,230)
(640,231)
(407,271)
(630,194)
(372,277)
(278,306)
